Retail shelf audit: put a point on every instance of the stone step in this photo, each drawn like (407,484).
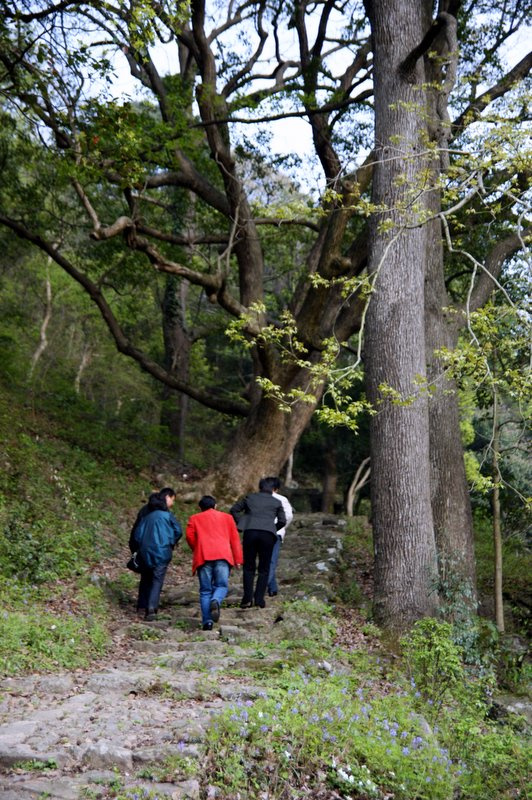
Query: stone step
(158,697)
(97,783)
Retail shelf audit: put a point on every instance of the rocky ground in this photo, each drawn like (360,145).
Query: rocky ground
(96,733)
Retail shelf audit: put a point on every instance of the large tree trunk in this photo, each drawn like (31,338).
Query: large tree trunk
(177,346)
(451,504)
(264,440)
(405,552)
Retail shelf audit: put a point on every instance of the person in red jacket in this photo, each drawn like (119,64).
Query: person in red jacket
(215,544)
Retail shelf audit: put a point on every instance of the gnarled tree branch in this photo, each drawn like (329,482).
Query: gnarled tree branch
(122,343)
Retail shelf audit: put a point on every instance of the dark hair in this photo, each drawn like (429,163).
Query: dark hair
(266,484)
(206,502)
(157,503)
(275,481)
(166,492)
(157,500)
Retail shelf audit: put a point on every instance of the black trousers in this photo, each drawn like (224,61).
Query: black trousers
(150,586)
(257,544)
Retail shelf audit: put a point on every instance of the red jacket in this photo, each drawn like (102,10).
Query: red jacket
(212,535)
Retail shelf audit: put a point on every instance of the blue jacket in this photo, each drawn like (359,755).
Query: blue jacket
(156,535)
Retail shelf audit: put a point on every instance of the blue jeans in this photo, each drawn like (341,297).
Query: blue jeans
(213,583)
(272,577)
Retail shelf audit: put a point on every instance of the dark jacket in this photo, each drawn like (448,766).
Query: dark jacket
(261,512)
(154,503)
(156,536)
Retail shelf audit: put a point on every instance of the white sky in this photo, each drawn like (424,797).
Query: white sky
(289,135)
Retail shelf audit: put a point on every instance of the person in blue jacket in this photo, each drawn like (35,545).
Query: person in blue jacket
(156,535)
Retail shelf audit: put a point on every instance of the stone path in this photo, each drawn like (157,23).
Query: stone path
(89,734)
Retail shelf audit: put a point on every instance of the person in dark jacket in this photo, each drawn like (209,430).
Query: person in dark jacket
(162,493)
(260,516)
(155,537)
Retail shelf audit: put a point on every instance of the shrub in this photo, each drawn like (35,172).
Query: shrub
(363,744)
(433,659)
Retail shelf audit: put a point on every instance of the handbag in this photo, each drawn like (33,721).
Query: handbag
(134,563)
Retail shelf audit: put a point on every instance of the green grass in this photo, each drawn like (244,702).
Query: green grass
(31,638)
(62,510)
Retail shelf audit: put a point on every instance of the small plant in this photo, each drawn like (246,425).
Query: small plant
(137,793)
(355,778)
(349,592)
(121,587)
(514,672)
(89,794)
(309,620)
(144,633)
(369,629)
(34,765)
(174,768)
(116,784)
(433,660)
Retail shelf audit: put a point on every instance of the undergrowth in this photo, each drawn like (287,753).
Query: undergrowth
(61,513)
(33,638)
(418,730)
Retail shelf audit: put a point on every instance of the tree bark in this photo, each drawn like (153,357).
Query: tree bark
(451,503)
(358,482)
(86,356)
(405,551)
(177,346)
(289,477)
(43,340)
(263,441)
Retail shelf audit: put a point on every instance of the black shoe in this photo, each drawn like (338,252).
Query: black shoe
(151,615)
(262,604)
(215,610)
(272,594)
(245,604)
(207,626)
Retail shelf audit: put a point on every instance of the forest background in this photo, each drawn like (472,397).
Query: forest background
(389,299)
(183,303)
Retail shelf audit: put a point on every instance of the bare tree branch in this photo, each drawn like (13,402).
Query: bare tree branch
(408,65)
(506,83)
(246,69)
(19,16)
(486,282)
